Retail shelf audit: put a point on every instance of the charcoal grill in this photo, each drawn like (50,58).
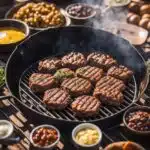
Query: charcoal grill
(34,101)
(63,40)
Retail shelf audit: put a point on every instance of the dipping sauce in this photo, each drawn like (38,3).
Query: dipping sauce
(139,120)
(4,129)
(87,136)
(45,136)
(10,35)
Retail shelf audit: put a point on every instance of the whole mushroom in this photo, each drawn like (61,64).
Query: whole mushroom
(144,22)
(134,19)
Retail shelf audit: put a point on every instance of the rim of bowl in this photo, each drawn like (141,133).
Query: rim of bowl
(80,18)
(48,126)
(134,109)
(11,129)
(136,144)
(85,125)
(121,5)
(21,22)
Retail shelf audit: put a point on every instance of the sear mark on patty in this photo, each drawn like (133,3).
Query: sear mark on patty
(85,106)
(101,60)
(49,65)
(39,82)
(73,60)
(56,98)
(120,72)
(91,73)
(77,86)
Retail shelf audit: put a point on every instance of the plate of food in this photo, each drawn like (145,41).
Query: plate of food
(124,145)
(39,16)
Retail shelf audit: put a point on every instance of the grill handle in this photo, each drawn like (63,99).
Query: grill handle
(6,97)
(10,141)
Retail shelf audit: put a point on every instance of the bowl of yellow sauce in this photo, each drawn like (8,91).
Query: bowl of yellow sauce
(12,32)
(87,136)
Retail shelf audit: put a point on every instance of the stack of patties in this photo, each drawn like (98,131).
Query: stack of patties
(109,90)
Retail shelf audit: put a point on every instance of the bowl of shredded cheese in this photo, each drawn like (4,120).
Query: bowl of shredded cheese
(87,136)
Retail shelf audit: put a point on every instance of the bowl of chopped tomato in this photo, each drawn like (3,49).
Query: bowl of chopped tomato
(44,137)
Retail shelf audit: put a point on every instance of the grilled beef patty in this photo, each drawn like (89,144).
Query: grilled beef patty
(39,82)
(120,72)
(64,73)
(49,65)
(91,73)
(56,98)
(77,86)
(101,60)
(73,60)
(85,106)
(109,90)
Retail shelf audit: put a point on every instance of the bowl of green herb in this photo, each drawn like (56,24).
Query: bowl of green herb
(2,76)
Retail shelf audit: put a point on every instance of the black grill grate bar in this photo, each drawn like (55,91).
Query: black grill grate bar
(68,114)
(127,98)
(35,102)
(107,110)
(39,99)
(128,93)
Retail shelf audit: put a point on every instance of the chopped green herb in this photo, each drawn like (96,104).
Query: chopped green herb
(2,76)
(64,73)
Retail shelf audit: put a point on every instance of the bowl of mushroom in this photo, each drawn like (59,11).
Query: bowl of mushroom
(39,16)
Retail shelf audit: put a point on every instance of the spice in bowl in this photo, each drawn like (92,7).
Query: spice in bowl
(139,120)
(87,136)
(44,136)
(80,10)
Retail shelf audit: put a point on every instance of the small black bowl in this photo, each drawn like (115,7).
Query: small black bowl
(12,23)
(80,20)
(134,109)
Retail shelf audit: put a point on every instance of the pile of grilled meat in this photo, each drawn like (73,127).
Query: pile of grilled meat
(84,83)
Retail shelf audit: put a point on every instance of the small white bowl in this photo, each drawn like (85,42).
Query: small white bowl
(49,147)
(81,127)
(10,131)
